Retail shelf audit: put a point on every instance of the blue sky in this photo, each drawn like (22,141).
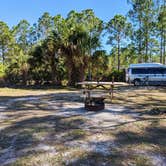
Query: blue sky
(12,11)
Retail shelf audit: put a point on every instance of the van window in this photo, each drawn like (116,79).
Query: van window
(155,71)
(149,71)
(139,71)
(163,70)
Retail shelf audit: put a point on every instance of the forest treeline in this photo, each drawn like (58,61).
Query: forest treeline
(57,50)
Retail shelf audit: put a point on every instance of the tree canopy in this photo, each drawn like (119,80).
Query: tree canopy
(57,50)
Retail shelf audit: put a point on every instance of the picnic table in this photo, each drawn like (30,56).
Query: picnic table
(97,102)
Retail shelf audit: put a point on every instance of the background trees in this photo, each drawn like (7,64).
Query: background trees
(6,41)
(119,29)
(99,64)
(162,31)
(83,39)
(55,49)
(147,19)
(69,43)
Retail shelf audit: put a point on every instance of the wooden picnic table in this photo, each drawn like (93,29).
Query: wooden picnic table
(108,86)
(90,86)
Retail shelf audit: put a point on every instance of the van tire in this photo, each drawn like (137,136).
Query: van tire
(137,82)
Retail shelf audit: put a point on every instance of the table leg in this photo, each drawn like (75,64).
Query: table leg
(88,91)
(112,92)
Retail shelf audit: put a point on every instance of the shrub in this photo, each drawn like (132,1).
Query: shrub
(118,76)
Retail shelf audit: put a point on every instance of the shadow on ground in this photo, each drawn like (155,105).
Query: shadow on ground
(51,126)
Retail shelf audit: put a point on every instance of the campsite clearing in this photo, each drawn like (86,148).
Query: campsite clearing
(51,127)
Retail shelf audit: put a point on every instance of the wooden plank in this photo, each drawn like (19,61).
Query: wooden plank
(100,83)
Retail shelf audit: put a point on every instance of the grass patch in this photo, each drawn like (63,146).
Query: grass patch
(76,134)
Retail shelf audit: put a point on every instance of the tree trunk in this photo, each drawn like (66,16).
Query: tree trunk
(146,49)
(24,76)
(161,48)
(164,47)
(3,55)
(118,54)
(77,74)
(90,69)
(150,57)
(54,73)
(140,59)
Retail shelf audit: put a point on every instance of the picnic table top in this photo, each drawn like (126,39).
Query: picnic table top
(101,83)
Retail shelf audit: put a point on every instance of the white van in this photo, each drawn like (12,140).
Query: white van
(146,74)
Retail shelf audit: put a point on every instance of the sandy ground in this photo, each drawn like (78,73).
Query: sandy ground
(110,117)
(65,105)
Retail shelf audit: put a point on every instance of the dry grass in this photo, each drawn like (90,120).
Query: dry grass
(141,97)
(33,132)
